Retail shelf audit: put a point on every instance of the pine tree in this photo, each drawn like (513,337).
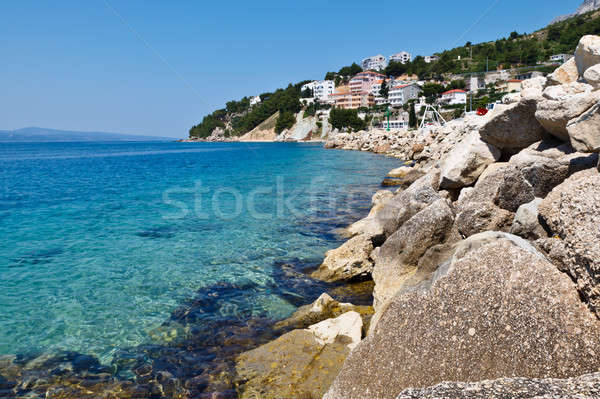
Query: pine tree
(412,116)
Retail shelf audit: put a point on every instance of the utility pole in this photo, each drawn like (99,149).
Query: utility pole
(388,119)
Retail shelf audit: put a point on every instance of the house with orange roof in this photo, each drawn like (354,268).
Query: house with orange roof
(452,97)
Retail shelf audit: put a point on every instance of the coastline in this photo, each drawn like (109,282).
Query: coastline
(495,216)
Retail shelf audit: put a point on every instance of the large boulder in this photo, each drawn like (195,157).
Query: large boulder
(497,309)
(531,89)
(563,103)
(351,260)
(548,163)
(399,256)
(564,74)
(572,212)
(409,202)
(592,76)
(301,363)
(587,53)
(491,203)
(584,131)
(370,226)
(513,126)
(584,387)
(465,163)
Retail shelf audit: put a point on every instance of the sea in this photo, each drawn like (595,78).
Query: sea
(154,252)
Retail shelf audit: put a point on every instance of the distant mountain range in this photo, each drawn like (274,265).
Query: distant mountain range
(586,6)
(38,134)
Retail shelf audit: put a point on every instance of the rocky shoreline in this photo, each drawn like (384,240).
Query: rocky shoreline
(486,261)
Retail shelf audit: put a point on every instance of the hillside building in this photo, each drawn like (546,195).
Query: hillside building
(402,57)
(376,63)
(399,95)
(322,89)
(452,97)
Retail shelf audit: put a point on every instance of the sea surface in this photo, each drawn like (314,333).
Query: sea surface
(105,247)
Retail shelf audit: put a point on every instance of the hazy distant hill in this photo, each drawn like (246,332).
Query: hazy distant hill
(37,134)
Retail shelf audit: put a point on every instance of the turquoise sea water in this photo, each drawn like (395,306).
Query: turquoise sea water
(102,243)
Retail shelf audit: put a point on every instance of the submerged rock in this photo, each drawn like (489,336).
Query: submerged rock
(301,363)
(325,307)
(497,309)
(351,260)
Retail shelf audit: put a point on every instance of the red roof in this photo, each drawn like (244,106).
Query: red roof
(515,81)
(454,91)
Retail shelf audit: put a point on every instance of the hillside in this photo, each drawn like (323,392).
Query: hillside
(516,50)
(37,134)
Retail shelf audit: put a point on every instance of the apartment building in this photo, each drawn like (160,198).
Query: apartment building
(401,94)
(402,57)
(345,98)
(322,89)
(363,82)
(376,63)
(561,57)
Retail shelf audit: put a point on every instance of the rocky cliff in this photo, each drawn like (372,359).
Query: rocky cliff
(586,6)
(486,261)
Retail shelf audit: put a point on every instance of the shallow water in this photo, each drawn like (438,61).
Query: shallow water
(112,248)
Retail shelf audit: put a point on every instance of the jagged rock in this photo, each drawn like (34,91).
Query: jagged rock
(490,205)
(407,203)
(399,256)
(403,176)
(511,98)
(584,131)
(572,212)
(563,103)
(349,261)
(526,223)
(584,387)
(323,308)
(592,76)
(498,308)
(532,89)
(513,126)
(370,226)
(548,163)
(301,363)
(564,74)
(465,163)
(587,53)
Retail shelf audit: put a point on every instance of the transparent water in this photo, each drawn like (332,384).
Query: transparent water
(101,242)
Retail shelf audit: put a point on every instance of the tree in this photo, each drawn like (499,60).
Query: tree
(330,76)
(308,93)
(350,70)
(412,116)
(346,118)
(285,120)
(384,91)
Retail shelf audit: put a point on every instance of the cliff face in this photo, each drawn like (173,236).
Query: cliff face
(586,6)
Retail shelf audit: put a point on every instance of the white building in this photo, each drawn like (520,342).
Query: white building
(375,63)
(560,57)
(254,100)
(321,89)
(453,97)
(431,58)
(402,57)
(401,94)
(394,125)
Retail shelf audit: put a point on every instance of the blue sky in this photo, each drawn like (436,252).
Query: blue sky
(156,67)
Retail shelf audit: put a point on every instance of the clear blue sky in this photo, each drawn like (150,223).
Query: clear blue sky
(156,67)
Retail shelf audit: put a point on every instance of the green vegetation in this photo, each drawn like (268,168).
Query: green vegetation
(243,118)
(285,121)
(346,118)
(513,51)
